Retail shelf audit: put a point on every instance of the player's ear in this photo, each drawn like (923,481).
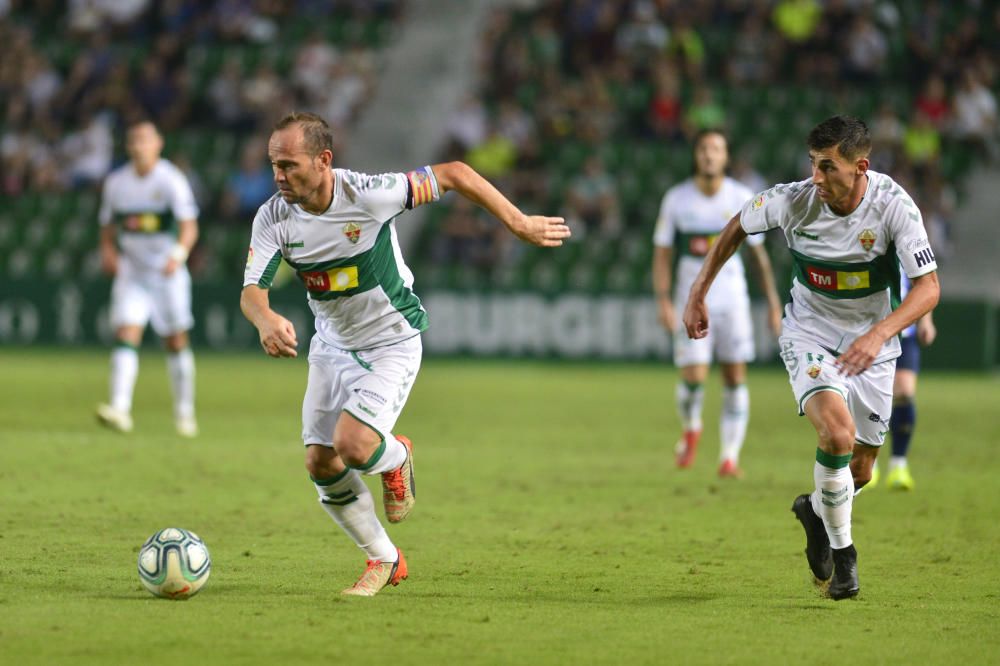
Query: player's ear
(862,165)
(324,159)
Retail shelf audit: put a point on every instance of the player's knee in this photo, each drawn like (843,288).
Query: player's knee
(354,451)
(320,461)
(837,438)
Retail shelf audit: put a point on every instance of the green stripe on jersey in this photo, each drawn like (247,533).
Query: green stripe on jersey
(375,267)
(841,280)
(694,245)
(268,275)
(146,221)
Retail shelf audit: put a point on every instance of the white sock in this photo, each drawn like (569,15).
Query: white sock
(124,370)
(689,400)
(349,502)
(834,497)
(388,456)
(896,462)
(733,424)
(180,366)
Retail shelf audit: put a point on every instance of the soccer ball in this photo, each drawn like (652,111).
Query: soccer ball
(174,563)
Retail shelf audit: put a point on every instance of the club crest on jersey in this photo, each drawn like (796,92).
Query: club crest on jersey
(813,371)
(867,239)
(352,231)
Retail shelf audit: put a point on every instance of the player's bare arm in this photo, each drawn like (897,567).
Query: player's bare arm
(109,251)
(922,298)
(535,229)
(662,260)
(765,274)
(277,334)
(696,313)
(187,236)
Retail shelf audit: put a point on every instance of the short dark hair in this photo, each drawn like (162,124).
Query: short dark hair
(850,135)
(316,133)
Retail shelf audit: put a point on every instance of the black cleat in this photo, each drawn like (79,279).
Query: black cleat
(817,542)
(845,574)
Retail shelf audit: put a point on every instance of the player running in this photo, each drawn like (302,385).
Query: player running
(692,214)
(845,228)
(147,206)
(336,228)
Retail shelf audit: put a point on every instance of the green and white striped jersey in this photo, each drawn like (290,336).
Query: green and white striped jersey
(846,271)
(147,209)
(348,258)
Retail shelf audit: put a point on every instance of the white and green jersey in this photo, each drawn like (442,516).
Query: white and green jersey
(147,210)
(348,257)
(690,221)
(846,274)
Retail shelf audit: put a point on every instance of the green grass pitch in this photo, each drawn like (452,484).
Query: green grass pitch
(550,528)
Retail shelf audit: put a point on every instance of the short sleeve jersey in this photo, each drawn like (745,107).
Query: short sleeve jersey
(147,209)
(348,258)
(846,273)
(690,221)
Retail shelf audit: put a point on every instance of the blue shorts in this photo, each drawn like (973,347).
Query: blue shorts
(910,358)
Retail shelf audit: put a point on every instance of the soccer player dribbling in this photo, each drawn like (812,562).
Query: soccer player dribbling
(845,227)
(336,228)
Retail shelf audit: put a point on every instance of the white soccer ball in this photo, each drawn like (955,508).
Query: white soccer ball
(174,563)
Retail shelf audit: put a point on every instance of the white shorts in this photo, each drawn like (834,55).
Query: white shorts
(729,339)
(372,386)
(811,369)
(140,298)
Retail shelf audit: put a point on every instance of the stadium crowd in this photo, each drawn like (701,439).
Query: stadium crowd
(607,73)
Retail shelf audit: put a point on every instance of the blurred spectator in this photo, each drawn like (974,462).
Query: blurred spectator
(797,20)
(313,62)
(922,149)
(752,52)
(975,109)
(493,158)
(225,93)
(249,186)
(592,201)
(467,125)
(665,107)
(887,138)
(643,37)
(87,152)
(466,237)
(704,112)
(867,50)
(932,101)
(742,170)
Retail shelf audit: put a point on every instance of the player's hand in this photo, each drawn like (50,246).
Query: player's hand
(540,230)
(926,331)
(171,266)
(696,319)
(774,320)
(668,315)
(860,355)
(109,262)
(277,337)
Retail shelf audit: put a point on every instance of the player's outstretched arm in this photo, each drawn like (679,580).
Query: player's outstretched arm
(277,334)
(696,313)
(535,229)
(921,299)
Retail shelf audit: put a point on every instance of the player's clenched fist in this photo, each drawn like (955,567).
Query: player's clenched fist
(277,337)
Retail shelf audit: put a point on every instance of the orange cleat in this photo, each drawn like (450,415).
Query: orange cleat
(377,575)
(399,491)
(687,447)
